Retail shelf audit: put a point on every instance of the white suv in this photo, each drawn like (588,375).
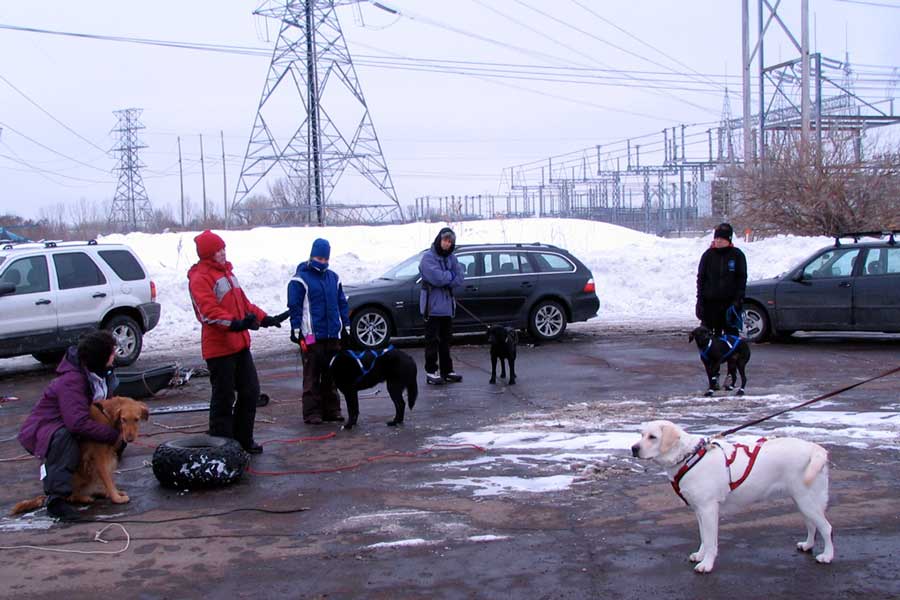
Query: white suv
(51,293)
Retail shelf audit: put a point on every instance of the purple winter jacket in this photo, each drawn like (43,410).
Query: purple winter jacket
(66,403)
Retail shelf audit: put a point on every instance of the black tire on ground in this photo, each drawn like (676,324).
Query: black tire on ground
(370,327)
(50,357)
(547,320)
(757,326)
(198,462)
(129,338)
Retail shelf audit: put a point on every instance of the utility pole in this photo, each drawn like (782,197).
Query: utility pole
(224,181)
(203,179)
(745,74)
(804,79)
(181,180)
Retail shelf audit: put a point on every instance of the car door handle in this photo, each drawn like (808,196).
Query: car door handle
(471,288)
(844,284)
(99,295)
(42,301)
(527,284)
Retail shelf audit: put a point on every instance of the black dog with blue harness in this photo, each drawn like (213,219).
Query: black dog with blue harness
(716,350)
(354,370)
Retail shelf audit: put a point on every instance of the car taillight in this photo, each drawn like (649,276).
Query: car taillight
(152,291)
(589,286)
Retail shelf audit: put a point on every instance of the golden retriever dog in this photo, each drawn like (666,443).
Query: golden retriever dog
(94,476)
(709,474)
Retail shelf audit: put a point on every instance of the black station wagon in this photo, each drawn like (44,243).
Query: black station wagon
(844,287)
(537,287)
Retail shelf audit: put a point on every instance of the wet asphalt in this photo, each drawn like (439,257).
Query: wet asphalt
(617,532)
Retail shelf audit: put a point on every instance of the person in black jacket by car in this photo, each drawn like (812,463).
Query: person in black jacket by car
(721,283)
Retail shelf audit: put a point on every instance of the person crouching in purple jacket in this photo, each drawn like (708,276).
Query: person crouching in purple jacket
(62,417)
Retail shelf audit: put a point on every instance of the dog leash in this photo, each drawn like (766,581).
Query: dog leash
(471,314)
(807,403)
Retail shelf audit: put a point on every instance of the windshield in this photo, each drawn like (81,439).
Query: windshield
(406,270)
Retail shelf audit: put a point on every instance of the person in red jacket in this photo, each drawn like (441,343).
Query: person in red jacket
(226,315)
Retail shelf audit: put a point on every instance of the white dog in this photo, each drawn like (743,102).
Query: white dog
(709,473)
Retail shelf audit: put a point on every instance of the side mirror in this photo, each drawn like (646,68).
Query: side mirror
(6,288)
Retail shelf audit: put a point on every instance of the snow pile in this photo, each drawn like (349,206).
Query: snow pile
(638,276)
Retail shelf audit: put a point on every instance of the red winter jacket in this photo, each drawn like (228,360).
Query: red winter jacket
(218,300)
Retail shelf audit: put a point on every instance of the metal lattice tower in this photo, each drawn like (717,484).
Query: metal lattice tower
(310,63)
(726,132)
(130,206)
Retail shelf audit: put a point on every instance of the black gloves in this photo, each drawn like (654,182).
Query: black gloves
(248,322)
(294,337)
(270,322)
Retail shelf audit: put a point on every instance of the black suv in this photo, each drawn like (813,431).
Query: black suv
(534,286)
(844,287)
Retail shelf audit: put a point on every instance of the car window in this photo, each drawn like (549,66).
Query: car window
(75,270)
(833,263)
(552,262)
(29,275)
(882,261)
(467,262)
(124,264)
(407,269)
(505,263)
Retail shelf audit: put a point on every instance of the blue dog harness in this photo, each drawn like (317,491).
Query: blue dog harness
(363,357)
(732,341)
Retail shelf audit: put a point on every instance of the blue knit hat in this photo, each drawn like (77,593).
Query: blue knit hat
(321,248)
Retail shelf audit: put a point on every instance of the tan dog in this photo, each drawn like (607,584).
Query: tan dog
(94,476)
(707,474)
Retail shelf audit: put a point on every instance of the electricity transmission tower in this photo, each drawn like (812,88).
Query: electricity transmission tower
(313,122)
(130,206)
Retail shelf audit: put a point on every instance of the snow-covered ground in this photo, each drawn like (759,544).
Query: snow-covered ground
(639,277)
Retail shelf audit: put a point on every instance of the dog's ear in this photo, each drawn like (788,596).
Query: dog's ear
(514,336)
(670,437)
(690,337)
(145,412)
(112,407)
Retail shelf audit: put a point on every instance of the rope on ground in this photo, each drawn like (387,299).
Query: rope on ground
(97,538)
(15,458)
(144,465)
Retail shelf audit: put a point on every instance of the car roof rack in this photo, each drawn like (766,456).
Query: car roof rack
(10,245)
(856,235)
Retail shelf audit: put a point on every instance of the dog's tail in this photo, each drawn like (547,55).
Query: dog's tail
(818,460)
(28,505)
(412,392)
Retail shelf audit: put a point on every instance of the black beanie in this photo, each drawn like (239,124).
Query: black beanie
(724,231)
(94,350)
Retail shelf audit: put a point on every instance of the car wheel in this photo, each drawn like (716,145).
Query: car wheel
(756,323)
(370,328)
(129,338)
(547,321)
(50,357)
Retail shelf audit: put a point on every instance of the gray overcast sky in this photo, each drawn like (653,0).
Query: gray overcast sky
(441,133)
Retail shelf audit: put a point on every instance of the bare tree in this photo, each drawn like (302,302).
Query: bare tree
(796,192)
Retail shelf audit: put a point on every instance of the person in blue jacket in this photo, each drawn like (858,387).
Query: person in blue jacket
(320,316)
(441,274)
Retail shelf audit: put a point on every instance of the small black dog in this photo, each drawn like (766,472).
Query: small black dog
(503,341)
(734,351)
(359,370)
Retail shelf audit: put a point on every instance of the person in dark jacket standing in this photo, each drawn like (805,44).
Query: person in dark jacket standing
(62,417)
(225,316)
(320,316)
(441,274)
(721,284)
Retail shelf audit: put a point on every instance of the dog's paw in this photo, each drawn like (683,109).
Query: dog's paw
(120,498)
(740,392)
(696,556)
(709,393)
(492,380)
(825,558)
(804,546)
(704,566)
(347,426)
(512,381)
(728,387)
(394,423)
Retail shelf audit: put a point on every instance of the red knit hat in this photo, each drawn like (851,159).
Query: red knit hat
(208,244)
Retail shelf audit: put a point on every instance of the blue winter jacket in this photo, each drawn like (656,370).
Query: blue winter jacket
(441,274)
(317,303)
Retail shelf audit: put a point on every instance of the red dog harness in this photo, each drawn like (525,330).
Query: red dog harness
(701,450)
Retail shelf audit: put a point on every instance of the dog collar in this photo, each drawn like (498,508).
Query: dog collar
(690,461)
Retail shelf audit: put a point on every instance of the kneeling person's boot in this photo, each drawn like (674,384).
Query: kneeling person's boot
(58,508)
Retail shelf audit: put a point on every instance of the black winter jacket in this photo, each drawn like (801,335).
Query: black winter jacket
(722,276)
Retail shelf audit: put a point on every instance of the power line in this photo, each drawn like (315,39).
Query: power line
(46,112)
(57,152)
